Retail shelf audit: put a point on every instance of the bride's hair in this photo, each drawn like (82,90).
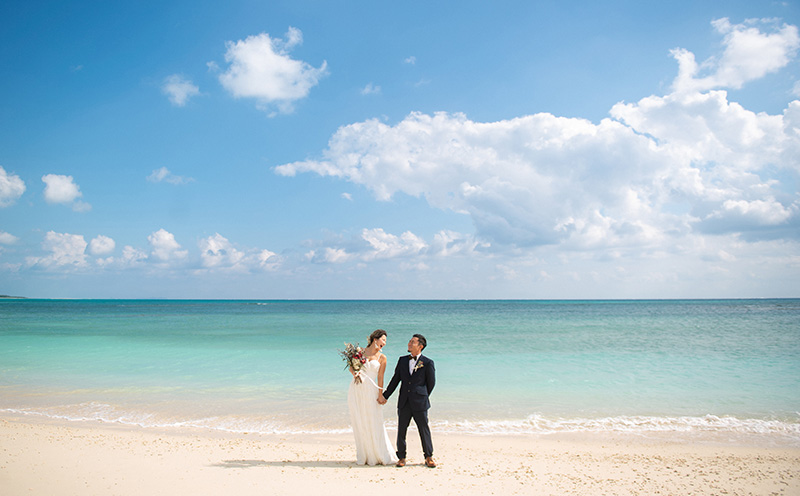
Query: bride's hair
(376,335)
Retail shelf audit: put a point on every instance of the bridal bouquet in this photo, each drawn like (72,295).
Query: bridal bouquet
(354,356)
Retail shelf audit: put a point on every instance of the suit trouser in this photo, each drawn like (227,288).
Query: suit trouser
(404,416)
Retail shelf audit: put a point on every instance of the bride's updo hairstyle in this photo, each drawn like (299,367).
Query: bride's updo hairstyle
(376,335)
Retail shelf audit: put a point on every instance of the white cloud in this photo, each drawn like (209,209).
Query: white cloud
(164,175)
(268,260)
(165,248)
(329,255)
(179,89)
(7,239)
(448,243)
(65,250)
(132,256)
(260,67)
(101,245)
(216,251)
(377,244)
(62,189)
(410,60)
(384,245)
(11,188)
(371,89)
(749,54)
(663,168)
(518,179)
(81,206)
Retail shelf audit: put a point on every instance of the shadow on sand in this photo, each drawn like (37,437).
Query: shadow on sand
(288,463)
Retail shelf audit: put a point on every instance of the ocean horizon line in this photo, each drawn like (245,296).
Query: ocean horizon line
(546,300)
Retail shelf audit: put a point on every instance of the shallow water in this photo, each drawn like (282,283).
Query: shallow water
(502,366)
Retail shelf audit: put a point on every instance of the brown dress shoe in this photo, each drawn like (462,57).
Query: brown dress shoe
(430,463)
(401,462)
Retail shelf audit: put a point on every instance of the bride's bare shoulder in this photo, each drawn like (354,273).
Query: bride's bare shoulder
(382,358)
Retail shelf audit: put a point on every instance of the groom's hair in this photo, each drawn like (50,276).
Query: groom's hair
(421,340)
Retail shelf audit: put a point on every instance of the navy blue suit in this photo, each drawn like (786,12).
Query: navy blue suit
(414,400)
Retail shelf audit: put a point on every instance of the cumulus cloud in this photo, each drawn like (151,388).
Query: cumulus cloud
(132,256)
(179,89)
(385,245)
(165,248)
(448,243)
(260,67)
(218,253)
(329,255)
(11,188)
(62,189)
(164,175)
(101,245)
(65,250)
(7,239)
(377,244)
(519,180)
(657,170)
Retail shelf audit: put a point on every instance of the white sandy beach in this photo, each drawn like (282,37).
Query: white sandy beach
(102,459)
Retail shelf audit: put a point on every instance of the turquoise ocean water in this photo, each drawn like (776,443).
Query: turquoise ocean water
(726,367)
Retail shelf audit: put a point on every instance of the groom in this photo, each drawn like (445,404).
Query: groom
(418,376)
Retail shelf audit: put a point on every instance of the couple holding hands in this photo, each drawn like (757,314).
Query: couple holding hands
(416,376)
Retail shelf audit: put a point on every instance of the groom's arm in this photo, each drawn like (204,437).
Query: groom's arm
(430,376)
(393,383)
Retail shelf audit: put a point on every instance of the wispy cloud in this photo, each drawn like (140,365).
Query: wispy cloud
(179,89)
(371,89)
(164,175)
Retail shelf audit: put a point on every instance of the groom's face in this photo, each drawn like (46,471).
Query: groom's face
(414,346)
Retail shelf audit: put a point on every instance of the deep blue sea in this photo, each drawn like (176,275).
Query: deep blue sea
(727,367)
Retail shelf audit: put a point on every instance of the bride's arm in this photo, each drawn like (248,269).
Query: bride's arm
(380,375)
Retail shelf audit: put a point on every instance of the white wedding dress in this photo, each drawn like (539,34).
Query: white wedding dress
(366,416)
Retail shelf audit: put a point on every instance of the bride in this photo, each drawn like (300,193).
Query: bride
(372,443)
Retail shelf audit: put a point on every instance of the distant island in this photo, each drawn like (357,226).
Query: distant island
(12,297)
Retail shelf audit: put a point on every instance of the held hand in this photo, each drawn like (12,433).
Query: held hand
(381,399)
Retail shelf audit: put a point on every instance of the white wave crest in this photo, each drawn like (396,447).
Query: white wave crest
(534,424)
(538,424)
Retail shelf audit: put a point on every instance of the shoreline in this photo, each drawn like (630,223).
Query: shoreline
(93,458)
(708,429)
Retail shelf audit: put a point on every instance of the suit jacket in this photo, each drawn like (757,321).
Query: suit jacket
(416,387)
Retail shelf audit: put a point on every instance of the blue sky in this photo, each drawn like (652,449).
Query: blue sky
(414,150)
